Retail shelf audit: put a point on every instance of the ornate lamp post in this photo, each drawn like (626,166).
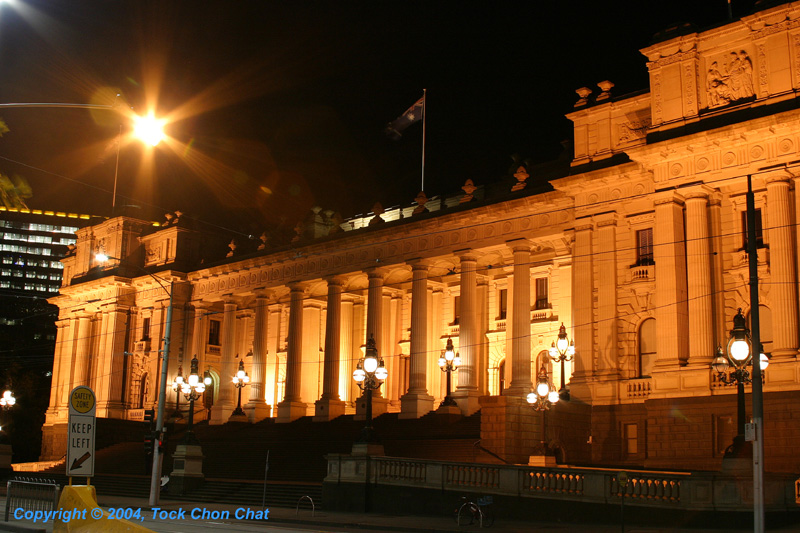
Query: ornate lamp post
(369,375)
(192,388)
(449,362)
(542,399)
(208,401)
(240,381)
(177,386)
(739,357)
(562,350)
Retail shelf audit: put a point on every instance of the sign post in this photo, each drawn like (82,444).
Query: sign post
(80,435)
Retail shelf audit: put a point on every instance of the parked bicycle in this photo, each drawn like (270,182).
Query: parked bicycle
(479,512)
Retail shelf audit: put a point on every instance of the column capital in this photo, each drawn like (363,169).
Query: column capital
(467,254)
(419,263)
(782,176)
(376,272)
(336,280)
(668,197)
(698,191)
(519,245)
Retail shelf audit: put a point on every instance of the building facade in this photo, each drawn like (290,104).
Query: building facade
(637,248)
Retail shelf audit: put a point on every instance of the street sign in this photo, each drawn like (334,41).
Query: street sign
(80,434)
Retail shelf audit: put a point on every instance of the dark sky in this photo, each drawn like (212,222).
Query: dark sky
(281,105)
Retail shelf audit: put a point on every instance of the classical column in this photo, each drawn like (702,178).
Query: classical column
(82,355)
(417,402)
(698,251)
(717,270)
(669,253)
(346,357)
(374,329)
(521,383)
(583,298)
(111,363)
(466,393)
(257,407)
(607,335)
(225,403)
(330,405)
(60,366)
(783,293)
(292,408)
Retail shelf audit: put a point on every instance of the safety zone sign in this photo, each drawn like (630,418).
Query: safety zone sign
(82,422)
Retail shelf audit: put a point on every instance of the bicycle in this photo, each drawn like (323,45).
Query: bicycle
(469,512)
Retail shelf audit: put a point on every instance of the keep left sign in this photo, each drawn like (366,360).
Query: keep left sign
(81,430)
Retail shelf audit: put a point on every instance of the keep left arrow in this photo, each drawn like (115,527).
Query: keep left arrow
(80,460)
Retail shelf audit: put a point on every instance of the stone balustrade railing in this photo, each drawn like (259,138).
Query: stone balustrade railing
(702,491)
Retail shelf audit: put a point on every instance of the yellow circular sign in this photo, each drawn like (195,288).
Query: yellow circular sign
(82,399)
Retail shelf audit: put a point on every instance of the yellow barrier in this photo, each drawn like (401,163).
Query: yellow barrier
(83,514)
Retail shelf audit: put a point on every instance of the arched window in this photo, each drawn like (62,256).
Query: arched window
(647,347)
(543,359)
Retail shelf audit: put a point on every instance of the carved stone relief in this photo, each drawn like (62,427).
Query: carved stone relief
(729,78)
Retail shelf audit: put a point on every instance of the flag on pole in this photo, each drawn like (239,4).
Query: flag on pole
(413,114)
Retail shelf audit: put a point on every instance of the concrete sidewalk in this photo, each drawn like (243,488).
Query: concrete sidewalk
(341,521)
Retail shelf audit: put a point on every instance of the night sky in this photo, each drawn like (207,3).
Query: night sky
(280,106)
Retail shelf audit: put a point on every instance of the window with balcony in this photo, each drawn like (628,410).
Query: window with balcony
(146,329)
(644,247)
(502,304)
(647,347)
(214,327)
(456,310)
(542,297)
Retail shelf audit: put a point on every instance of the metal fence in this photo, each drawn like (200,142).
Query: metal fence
(32,494)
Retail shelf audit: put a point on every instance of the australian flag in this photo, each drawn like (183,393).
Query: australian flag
(413,114)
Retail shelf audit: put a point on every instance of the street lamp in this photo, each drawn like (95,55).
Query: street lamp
(449,363)
(369,375)
(208,396)
(739,357)
(562,350)
(177,386)
(192,388)
(155,477)
(8,400)
(542,399)
(544,395)
(240,381)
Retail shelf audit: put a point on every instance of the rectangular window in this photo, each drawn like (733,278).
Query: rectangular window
(759,230)
(146,329)
(644,247)
(456,310)
(631,439)
(502,304)
(213,332)
(542,298)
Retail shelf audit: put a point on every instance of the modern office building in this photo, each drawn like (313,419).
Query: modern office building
(638,246)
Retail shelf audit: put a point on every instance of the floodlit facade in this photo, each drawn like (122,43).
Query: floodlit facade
(637,247)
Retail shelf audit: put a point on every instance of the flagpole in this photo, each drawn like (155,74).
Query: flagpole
(424,92)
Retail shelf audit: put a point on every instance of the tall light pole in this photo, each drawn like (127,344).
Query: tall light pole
(155,478)
(758,394)
(543,397)
(562,350)
(147,128)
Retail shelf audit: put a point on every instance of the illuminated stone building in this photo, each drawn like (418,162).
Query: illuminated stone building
(637,247)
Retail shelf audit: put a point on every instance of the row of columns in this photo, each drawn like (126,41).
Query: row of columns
(689,305)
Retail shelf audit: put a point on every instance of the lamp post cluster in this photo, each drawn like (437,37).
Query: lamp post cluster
(369,375)
(8,400)
(240,381)
(560,351)
(733,368)
(192,388)
(449,363)
(544,395)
